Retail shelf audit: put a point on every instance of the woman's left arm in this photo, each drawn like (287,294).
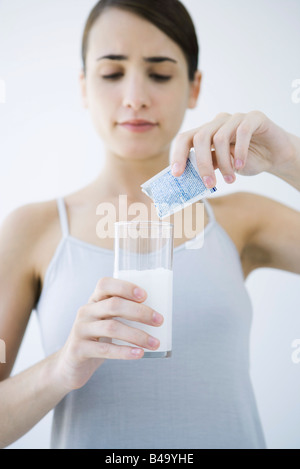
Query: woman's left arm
(249,144)
(290,172)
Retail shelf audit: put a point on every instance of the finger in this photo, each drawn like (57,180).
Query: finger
(108,286)
(222,140)
(251,123)
(114,329)
(95,349)
(183,145)
(214,159)
(186,140)
(205,155)
(127,309)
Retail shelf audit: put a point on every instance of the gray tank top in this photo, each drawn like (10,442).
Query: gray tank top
(201,397)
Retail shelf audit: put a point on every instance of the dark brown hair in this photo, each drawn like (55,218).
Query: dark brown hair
(170,16)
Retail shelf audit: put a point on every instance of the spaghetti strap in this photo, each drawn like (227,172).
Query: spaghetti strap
(210,211)
(63,216)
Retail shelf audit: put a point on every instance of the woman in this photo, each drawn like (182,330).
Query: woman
(137,86)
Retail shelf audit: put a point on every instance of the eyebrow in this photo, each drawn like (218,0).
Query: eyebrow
(157,59)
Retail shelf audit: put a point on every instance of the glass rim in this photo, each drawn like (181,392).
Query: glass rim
(147,223)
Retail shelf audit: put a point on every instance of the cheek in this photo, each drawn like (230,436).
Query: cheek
(176,97)
(102,104)
(173,105)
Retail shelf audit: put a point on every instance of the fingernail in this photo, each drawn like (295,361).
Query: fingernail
(139,293)
(229,179)
(152,342)
(208,181)
(239,164)
(157,318)
(175,168)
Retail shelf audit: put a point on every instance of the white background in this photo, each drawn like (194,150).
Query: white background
(250,56)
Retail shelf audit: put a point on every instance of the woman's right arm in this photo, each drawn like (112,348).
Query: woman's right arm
(27,397)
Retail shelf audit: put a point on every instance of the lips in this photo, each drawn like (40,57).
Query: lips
(138,125)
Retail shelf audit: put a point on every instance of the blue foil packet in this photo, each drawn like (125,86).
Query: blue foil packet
(171,194)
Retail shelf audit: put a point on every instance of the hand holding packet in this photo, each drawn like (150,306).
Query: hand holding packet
(171,194)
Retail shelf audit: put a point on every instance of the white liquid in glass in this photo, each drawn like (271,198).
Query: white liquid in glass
(158,283)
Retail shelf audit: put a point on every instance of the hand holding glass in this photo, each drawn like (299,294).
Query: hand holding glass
(144,256)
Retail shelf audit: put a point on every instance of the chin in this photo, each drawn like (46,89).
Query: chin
(137,151)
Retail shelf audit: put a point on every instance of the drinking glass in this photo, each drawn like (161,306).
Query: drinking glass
(144,256)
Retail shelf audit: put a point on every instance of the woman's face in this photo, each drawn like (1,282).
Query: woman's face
(136,86)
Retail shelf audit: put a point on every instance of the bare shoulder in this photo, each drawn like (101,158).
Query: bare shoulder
(28,222)
(31,216)
(29,233)
(27,238)
(242,215)
(237,213)
(249,211)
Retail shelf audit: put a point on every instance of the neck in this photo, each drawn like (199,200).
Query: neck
(125,175)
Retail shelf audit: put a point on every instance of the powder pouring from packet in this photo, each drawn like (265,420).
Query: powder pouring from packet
(171,194)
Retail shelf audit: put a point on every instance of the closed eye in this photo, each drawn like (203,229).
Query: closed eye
(154,76)
(160,78)
(113,76)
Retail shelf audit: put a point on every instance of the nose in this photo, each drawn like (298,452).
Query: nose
(136,95)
